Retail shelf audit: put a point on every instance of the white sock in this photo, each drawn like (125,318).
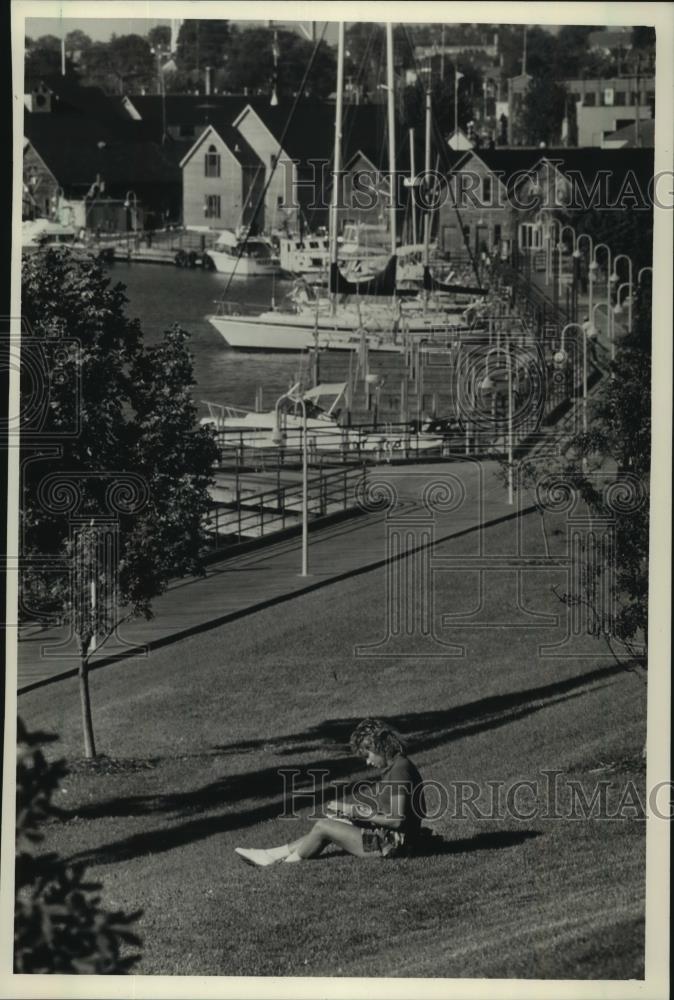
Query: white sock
(293,857)
(278,852)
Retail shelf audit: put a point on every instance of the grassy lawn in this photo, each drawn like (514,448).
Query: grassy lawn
(196,735)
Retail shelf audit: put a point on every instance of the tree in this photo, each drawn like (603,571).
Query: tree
(43,58)
(97,69)
(59,923)
(543,111)
(134,480)
(365,57)
(77,41)
(643,37)
(201,44)
(608,468)
(159,37)
(572,53)
(131,62)
(250,64)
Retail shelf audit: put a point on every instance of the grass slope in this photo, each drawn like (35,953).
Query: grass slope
(196,734)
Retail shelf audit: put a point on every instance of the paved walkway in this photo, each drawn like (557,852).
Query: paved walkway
(466,495)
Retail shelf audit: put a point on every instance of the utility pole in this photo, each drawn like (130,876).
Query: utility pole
(637,119)
(442,54)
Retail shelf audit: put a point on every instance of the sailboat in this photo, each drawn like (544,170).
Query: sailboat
(381,319)
(240,427)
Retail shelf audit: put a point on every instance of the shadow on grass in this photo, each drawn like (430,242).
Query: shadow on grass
(491,840)
(429,729)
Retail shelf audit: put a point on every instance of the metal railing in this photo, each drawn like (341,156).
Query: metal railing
(334,445)
(274,510)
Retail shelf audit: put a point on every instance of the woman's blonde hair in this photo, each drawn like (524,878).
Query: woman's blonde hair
(376,735)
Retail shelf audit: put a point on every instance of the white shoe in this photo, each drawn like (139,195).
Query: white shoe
(257,858)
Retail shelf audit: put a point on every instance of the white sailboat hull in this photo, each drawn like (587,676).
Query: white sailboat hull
(277,331)
(254,334)
(242,267)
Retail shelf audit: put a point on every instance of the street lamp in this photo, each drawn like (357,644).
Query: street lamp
(587,330)
(56,203)
(618,307)
(560,251)
(278,438)
(610,331)
(129,199)
(591,268)
(487,386)
(622,256)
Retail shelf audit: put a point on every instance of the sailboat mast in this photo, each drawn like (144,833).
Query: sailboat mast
(391,130)
(427,175)
(336,173)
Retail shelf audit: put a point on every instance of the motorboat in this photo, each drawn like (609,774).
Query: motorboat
(242,257)
(45,234)
(38,234)
(283,426)
(308,256)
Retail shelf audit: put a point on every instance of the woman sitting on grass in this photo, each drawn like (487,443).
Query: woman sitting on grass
(387,824)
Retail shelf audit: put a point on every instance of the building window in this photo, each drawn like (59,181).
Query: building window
(589,100)
(212,163)
(212,206)
(620,98)
(497,235)
(530,236)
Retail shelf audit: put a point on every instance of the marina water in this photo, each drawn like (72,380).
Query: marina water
(159,296)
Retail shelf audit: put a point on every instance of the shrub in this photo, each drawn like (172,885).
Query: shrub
(59,923)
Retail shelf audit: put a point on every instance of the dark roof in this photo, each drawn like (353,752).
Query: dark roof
(71,98)
(629,133)
(75,150)
(508,163)
(235,142)
(616,164)
(187,109)
(310,131)
(310,134)
(582,162)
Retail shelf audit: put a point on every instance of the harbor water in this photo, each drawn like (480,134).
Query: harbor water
(161,295)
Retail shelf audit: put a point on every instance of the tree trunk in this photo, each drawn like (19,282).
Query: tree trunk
(85,701)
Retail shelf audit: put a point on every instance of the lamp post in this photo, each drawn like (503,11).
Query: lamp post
(55,201)
(586,331)
(610,331)
(560,249)
(487,386)
(278,438)
(591,269)
(548,249)
(618,308)
(615,278)
(609,313)
(131,199)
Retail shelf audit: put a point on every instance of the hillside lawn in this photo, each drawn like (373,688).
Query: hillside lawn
(194,734)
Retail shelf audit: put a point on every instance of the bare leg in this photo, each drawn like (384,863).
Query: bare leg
(328,831)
